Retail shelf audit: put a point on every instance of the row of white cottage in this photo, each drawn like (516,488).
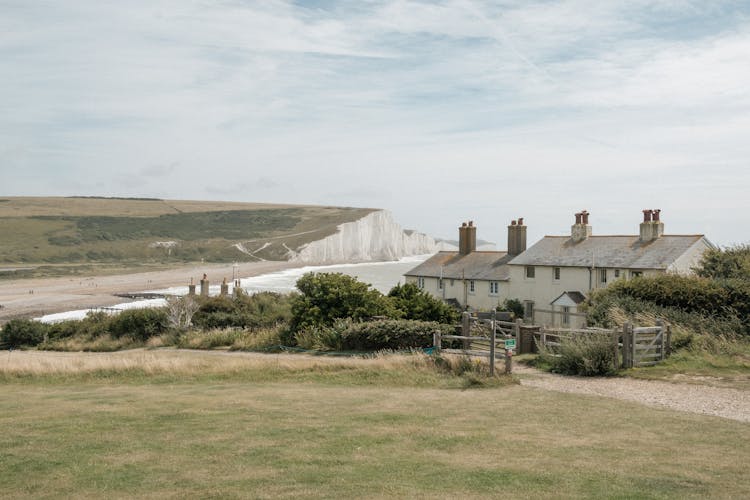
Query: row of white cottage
(556,274)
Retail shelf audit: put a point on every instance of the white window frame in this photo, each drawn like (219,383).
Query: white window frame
(472,286)
(528,307)
(494,287)
(529,272)
(565,315)
(603,276)
(440,283)
(420,282)
(556,274)
(617,273)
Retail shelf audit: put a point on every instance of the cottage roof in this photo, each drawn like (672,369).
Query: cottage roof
(626,252)
(489,266)
(569,298)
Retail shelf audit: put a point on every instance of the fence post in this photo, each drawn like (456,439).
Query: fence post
(508,361)
(663,336)
(543,338)
(625,346)
(465,327)
(517,335)
(436,342)
(493,339)
(616,347)
(668,340)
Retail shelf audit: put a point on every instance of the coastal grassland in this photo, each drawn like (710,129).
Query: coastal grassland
(66,234)
(320,427)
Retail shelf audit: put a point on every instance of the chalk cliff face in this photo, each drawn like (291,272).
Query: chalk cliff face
(375,237)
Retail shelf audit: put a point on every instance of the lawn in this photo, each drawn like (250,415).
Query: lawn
(166,424)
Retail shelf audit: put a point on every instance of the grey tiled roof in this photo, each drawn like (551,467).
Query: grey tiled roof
(607,251)
(576,297)
(489,266)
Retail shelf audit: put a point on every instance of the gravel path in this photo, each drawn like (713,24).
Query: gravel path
(717,401)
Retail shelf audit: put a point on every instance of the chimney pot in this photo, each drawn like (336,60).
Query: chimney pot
(647,215)
(585,217)
(578,218)
(512,223)
(520,221)
(471,223)
(655,215)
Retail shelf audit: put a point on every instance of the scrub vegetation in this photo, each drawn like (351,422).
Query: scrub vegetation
(62,236)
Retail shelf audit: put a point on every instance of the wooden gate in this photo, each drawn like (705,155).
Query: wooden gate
(645,346)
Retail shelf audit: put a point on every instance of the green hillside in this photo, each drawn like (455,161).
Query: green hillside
(60,235)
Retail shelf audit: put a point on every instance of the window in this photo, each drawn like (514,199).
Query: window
(530,272)
(566,315)
(528,311)
(494,287)
(556,273)
(440,283)
(471,286)
(603,276)
(635,274)
(420,282)
(451,281)
(617,273)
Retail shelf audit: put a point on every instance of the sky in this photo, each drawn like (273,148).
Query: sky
(441,112)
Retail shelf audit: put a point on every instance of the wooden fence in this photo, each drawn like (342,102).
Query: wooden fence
(632,346)
(481,335)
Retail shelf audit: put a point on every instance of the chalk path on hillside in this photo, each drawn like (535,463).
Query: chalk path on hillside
(707,400)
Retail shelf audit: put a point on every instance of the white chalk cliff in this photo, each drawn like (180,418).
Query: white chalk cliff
(375,237)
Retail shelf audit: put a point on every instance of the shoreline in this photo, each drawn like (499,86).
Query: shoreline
(33,297)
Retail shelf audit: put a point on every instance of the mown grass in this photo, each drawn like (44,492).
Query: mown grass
(340,438)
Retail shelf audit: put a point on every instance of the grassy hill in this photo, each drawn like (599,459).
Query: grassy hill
(61,235)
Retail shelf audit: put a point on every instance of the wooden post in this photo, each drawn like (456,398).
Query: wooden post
(493,339)
(436,342)
(517,335)
(542,338)
(508,361)
(465,327)
(625,346)
(616,347)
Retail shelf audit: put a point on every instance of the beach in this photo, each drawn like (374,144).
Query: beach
(35,297)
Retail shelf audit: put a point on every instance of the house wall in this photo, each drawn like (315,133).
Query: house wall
(543,288)
(479,300)
(691,258)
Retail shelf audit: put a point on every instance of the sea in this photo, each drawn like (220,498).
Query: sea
(381,276)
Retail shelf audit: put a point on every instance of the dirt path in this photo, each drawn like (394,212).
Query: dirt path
(717,401)
(52,295)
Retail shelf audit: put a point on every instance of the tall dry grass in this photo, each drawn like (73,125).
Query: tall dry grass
(386,368)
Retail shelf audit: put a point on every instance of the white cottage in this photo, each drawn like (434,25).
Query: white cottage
(555,275)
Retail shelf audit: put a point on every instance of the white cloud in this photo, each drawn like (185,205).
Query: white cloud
(442,111)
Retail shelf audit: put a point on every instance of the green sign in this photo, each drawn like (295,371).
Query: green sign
(510,344)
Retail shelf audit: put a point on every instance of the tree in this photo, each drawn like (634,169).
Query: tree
(324,297)
(414,303)
(729,263)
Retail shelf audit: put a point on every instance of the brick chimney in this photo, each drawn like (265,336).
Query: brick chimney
(516,237)
(467,238)
(581,229)
(652,228)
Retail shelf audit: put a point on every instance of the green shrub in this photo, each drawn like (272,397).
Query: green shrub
(139,324)
(23,333)
(515,306)
(209,339)
(391,334)
(324,338)
(414,303)
(588,354)
(729,263)
(326,297)
(243,311)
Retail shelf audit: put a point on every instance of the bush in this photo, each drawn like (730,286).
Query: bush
(588,355)
(139,324)
(391,334)
(515,306)
(729,263)
(326,297)
(244,311)
(23,333)
(414,303)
